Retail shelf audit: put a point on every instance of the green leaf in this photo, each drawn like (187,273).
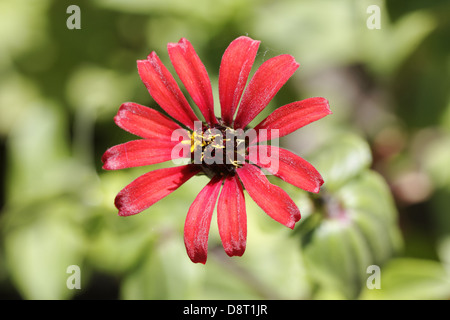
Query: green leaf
(341,159)
(358,228)
(273,264)
(371,208)
(37,144)
(165,272)
(408,278)
(41,242)
(117,244)
(436,159)
(337,257)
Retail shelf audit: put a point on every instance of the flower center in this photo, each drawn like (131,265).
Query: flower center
(218,149)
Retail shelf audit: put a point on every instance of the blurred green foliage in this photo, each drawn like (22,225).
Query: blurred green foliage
(384,153)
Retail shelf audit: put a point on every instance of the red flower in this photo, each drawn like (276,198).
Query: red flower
(240,168)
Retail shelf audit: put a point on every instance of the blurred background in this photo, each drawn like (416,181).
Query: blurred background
(384,153)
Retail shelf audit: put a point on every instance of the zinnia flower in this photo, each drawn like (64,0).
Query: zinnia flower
(216,138)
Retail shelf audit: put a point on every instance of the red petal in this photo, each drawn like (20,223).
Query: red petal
(293,116)
(193,74)
(271,198)
(288,166)
(152,187)
(198,221)
(235,67)
(266,82)
(145,122)
(232,218)
(163,88)
(138,153)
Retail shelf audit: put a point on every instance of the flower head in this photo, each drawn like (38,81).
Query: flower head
(230,153)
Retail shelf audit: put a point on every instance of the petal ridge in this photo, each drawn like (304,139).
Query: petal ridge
(145,122)
(269,197)
(194,76)
(288,167)
(138,153)
(232,217)
(235,68)
(164,90)
(293,116)
(198,221)
(151,187)
(264,85)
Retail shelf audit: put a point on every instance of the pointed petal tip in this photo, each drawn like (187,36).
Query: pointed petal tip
(319,185)
(140,62)
(316,190)
(196,255)
(291,226)
(235,252)
(183,44)
(289,59)
(106,166)
(144,64)
(182,41)
(124,206)
(296,218)
(125,105)
(320,101)
(251,41)
(326,104)
(105,160)
(200,261)
(152,55)
(121,113)
(120,205)
(122,212)
(171,45)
